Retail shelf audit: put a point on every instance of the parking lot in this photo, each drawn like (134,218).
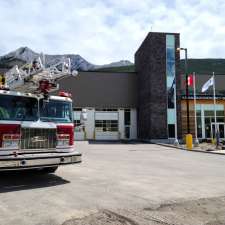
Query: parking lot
(128,180)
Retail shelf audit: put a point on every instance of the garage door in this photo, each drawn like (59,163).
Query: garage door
(106,126)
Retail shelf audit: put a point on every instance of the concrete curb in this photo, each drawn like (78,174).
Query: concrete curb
(193,150)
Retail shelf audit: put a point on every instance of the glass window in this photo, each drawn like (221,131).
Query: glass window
(171,118)
(208,118)
(219,113)
(220,119)
(170,54)
(127,116)
(77,109)
(211,107)
(209,113)
(77,115)
(56,111)
(170,98)
(170,83)
(170,41)
(198,113)
(77,123)
(77,126)
(207,127)
(199,127)
(171,130)
(106,125)
(127,132)
(107,110)
(18,108)
(170,69)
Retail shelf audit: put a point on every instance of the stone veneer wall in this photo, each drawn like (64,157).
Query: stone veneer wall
(150,65)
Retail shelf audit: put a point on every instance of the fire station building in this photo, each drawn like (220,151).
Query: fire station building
(137,105)
(205,108)
(111,103)
(141,105)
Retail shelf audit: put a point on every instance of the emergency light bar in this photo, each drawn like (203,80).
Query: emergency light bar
(65,94)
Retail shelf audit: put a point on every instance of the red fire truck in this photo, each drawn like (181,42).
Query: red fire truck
(36,130)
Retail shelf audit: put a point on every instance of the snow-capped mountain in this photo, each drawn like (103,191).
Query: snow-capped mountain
(26,55)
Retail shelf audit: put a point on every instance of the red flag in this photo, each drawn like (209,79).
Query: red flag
(190,80)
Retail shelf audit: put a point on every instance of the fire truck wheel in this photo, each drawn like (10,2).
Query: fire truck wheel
(49,169)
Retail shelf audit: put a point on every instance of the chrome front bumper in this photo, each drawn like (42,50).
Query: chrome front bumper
(38,160)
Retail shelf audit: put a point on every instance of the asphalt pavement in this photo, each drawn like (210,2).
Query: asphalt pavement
(123,181)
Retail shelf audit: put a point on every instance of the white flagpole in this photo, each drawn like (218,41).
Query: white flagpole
(214,101)
(196,128)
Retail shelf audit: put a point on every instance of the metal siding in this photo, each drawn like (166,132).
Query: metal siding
(102,89)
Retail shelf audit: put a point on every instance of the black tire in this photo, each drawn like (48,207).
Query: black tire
(49,169)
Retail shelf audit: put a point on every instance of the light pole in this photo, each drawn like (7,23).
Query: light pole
(188,136)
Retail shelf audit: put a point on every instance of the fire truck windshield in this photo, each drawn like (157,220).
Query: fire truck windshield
(55,111)
(18,108)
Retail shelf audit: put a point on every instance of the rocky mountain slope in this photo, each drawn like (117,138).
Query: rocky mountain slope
(26,55)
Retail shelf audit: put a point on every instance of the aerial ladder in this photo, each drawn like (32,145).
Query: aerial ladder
(29,77)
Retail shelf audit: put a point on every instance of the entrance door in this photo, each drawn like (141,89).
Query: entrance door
(127,132)
(127,123)
(221,128)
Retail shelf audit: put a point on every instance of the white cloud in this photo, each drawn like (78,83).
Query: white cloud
(103,31)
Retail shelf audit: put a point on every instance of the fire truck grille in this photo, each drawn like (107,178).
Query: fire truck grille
(35,139)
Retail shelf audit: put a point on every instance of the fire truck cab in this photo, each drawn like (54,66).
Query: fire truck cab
(36,132)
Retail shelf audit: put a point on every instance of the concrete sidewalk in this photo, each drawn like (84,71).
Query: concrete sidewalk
(203,147)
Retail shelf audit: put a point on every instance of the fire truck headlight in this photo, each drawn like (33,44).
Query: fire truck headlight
(63,140)
(11,144)
(61,143)
(11,140)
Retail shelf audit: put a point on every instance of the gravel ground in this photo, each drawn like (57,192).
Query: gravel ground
(196,212)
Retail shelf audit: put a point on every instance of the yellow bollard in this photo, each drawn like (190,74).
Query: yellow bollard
(189,141)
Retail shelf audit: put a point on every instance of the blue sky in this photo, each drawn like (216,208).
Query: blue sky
(103,31)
